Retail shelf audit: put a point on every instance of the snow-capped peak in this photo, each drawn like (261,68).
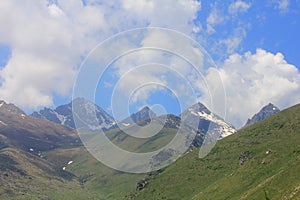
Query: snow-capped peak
(208,121)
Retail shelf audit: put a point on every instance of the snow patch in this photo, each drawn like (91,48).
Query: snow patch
(70,162)
(1,104)
(1,122)
(61,118)
(125,124)
(224,129)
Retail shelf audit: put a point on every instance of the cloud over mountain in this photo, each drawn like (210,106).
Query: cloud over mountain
(252,80)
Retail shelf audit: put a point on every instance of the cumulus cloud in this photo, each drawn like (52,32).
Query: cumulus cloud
(238,7)
(47,40)
(252,80)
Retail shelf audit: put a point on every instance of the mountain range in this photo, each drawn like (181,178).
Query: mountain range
(208,121)
(43,158)
(15,124)
(63,115)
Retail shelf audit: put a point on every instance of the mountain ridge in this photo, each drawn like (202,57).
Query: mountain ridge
(208,121)
(93,115)
(26,132)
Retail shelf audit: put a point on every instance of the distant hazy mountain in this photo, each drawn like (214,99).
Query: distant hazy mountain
(142,115)
(264,113)
(28,133)
(199,116)
(87,109)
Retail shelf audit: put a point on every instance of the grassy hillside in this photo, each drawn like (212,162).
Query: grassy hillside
(99,181)
(26,176)
(96,179)
(269,152)
(141,145)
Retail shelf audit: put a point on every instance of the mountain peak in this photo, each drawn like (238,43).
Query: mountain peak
(270,106)
(199,107)
(145,109)
(10,108)
(201,117)
(143,114)
(80,100)
(264,113)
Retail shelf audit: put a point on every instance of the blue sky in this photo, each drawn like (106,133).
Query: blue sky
(255,45)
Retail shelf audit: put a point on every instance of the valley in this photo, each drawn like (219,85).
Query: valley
(40,159)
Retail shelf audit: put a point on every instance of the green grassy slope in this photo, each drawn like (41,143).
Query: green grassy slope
(220,175)
(102,182)
(141,145)
(26,176)
(85,178)
(99,181)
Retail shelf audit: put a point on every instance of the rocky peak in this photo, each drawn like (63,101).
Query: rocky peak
(264,113)
(205,121)
(10,109)
(199,107)
(143,114)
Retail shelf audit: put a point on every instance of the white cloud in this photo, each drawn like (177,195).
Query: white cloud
(253,80)
(215,17)
(172,14)
(283,6)
(238,7)
(172,52)
(47,41)
(210,29)
(233,42)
